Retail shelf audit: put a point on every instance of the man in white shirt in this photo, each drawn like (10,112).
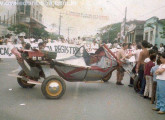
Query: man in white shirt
(161,49)
(94,47)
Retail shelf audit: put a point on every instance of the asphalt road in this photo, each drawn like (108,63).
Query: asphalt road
(81,101)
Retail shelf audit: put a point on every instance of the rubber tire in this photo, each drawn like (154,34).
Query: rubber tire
(44,84)
(137,84)
(107,77)
(22,84)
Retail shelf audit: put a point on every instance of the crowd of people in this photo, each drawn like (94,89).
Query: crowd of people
(150,67)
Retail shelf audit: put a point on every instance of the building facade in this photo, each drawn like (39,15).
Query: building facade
(134,31)
(152,31)
(26,14)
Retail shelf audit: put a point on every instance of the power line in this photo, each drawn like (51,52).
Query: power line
(116,7)
(155,10)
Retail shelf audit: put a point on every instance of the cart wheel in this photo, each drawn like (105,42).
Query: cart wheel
(53,87)
(137,84)
(107,77)
(22,82)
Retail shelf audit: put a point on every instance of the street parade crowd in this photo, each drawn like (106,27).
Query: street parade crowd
(149,63)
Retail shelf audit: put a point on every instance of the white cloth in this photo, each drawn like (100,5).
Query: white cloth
(10,46)
(27,40)
(94,47)
(118,46)
(109,45)
(40,40)
(46,49)
(162,76)
(161,49)
(147,60)
(148,87)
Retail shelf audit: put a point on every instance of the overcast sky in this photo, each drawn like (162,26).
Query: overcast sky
(113,9)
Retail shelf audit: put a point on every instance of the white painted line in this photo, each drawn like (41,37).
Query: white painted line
(10,89)
(22,104)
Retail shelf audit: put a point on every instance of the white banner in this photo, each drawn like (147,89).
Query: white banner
(64,50)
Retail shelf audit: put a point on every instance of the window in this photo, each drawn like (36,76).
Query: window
(22,9)
(146,36)
(151,35)
(37,15)
(40,17)
(33,13)
(28,10)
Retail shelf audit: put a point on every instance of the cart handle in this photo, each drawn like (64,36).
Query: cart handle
(118,61)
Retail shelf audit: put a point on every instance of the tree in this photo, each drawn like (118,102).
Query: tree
(163,33)
(40,33)
(109,32)
(19,28)
(54,36)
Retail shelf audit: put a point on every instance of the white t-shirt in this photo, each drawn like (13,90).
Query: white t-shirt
(94,48)
(109,45)
(161,49)
(10,46)
(27,40)
(162,76)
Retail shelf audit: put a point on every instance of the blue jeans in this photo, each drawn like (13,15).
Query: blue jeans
(160,93)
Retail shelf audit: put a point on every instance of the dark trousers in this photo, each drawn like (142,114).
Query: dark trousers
(133,71)
(143,84)
(153,92)
(142,79)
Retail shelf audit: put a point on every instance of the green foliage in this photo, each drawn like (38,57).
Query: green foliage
(54,36)
(19,28)
(111,32)
(163,33)
(40,33)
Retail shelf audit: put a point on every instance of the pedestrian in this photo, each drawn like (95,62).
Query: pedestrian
(140,65)
(44,46)
(160,92)
(27,46)
(94,46)
(161,49)
(1,42)
(155,48)
(136,53)
(154,84)
(40,46)
(148,77)
(121,55)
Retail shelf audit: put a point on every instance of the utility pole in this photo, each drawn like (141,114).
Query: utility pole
(60,24)
(125,18)
(69,28)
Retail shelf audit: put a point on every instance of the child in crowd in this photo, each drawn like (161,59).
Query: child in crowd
(160,92)
(148,66)
(154,84)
